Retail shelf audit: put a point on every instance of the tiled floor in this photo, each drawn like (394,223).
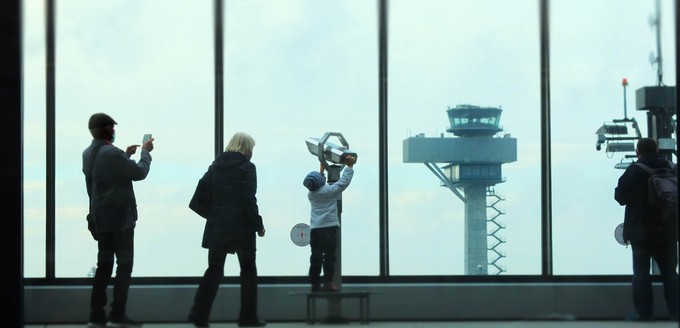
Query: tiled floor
(455,324)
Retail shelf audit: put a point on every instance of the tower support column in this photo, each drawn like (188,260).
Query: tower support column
(476,257)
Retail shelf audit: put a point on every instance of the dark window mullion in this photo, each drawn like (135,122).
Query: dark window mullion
(546,184)
(382,156)
(50,139)
(219,76)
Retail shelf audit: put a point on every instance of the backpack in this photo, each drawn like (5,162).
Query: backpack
(662,193)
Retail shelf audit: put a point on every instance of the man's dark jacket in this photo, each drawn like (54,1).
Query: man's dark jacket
(631,191)
(112,198)
(234,216)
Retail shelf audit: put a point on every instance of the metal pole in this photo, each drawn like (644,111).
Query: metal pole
(625,104)
(546,184)
(382,135)
(50,96)
(335,304)
(659,62)
(219,76)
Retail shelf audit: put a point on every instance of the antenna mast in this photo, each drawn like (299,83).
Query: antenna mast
(657,23)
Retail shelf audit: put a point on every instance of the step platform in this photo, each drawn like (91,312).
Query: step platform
(362,296)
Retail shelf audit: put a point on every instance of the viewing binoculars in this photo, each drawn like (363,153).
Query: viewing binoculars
(328,151)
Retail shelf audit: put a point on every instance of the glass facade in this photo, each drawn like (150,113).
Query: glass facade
(34,137)
(294,69)
(589,61)
(445,54)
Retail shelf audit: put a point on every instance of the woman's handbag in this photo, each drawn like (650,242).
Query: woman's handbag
(201,201)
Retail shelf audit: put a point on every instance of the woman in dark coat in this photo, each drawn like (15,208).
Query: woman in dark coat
(230,227)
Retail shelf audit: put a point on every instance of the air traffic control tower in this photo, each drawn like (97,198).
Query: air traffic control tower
(473,166)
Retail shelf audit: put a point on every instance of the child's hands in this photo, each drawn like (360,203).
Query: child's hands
(350,160)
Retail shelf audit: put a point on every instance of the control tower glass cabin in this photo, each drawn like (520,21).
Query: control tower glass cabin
(474,121)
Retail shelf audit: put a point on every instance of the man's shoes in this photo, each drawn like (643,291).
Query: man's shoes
(198,323)
(125,322)
(255,323)
(96,324)
(639,317)
(97,320)
(316,288)
(330,287)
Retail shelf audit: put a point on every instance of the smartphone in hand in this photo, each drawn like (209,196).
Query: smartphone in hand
(146,138)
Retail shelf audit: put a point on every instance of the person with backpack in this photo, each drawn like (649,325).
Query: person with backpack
(651,234)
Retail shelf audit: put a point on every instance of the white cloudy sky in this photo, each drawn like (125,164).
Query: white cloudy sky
(299,68)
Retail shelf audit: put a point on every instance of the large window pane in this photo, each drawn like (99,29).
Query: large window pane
(592,52)
(34,138)
(148,64)
(443,54)
(296,69)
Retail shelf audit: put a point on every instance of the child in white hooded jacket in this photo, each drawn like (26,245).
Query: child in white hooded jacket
(324,223)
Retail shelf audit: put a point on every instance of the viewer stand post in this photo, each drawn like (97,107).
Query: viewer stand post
(335,304)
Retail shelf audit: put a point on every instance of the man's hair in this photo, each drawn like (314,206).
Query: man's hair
(97,123)
(646,147)
(241,142)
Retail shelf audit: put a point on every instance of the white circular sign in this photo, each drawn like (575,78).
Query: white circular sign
(618,234)
(300,234)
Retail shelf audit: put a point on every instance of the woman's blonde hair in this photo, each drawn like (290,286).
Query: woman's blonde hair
(241,142)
